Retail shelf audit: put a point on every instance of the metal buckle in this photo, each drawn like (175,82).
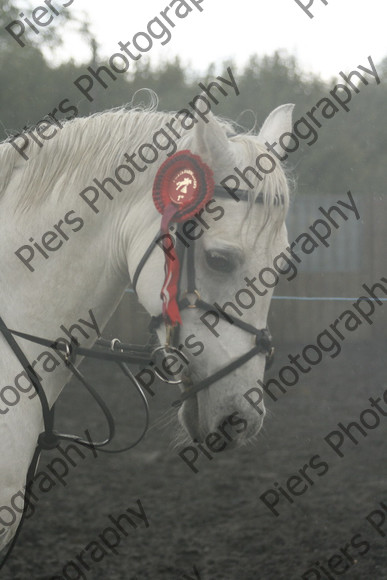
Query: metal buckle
(269,358)
(167,349)
(114,342)
(187,294)
(67,355)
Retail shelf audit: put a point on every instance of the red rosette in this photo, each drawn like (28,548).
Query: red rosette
(186,181)
(182,186)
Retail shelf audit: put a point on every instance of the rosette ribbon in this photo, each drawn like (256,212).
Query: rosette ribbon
(182,186)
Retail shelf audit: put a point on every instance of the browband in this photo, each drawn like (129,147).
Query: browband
(220,191)
(243,195)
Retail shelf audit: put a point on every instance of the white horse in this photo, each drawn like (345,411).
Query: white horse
(64,263)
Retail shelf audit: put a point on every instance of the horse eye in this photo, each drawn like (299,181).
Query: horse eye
(219,262)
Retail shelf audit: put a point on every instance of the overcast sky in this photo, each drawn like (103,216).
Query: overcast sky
(339,37)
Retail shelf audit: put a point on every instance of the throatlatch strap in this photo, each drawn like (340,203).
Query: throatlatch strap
(144,259)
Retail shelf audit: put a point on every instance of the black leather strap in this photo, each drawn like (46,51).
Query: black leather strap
(203,305)
(8,335)
(144,259)
(217,375)
(220,191)
(49,439)
(206,306)
(133,354)
(191,277)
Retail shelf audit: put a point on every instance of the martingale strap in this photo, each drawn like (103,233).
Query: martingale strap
(127,353)
(33,377)
(50,438)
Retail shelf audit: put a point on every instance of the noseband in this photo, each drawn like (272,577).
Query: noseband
(192,299)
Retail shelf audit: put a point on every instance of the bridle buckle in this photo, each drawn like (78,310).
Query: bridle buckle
(171,350)
(192,298)
(270,358)
(113,343)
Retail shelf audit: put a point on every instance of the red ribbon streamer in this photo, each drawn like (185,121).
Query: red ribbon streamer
(183,185)
(169,290)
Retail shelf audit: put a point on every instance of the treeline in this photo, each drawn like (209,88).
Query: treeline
(348,153)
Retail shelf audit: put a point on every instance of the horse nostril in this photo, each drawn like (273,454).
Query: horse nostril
(233,427)
(238,425)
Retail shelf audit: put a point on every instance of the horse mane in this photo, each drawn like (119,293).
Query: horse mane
(88,147)
(74,155)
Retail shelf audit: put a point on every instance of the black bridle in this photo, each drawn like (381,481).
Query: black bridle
(122,354)
(192,299)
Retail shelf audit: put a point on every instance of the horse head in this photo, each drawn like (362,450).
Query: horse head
(233,241)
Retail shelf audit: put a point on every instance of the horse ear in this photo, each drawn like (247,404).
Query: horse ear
(211,142)
(277,123)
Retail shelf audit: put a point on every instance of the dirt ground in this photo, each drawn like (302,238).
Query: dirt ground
(214,520)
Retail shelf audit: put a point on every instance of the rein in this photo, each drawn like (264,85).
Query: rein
(49,438)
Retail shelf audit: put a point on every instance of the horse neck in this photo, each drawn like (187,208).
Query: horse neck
(84,279)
